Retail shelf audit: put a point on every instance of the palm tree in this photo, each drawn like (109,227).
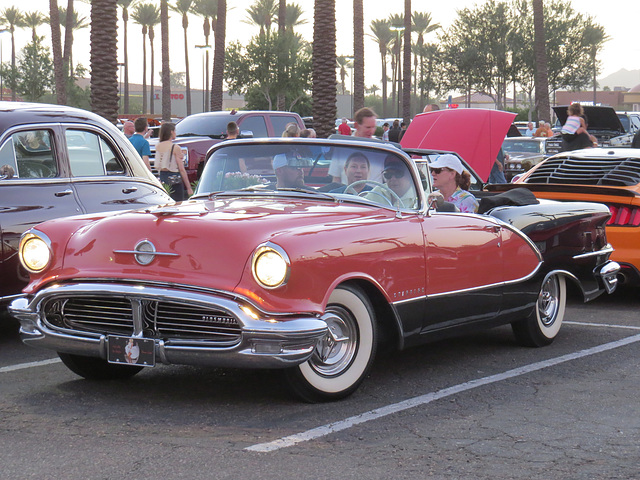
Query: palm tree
(343,63)
(125,4)
(12,18)
(293,17)
(542,76)
(323,65)
(152,73)
(208,9)
(58,64)
(282,26)
(262,13)
(383,36)
(33,20)
(593,37)
(71,24)
(421,26)
(183,7)
(396,22)
(218,59)
(358,55)
(165,73)
(406,74)
(144,14)
(104,58)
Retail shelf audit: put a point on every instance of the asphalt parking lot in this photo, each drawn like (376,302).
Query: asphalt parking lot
(473,407)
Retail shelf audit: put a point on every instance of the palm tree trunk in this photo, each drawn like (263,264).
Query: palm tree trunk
(166,73)
(406,77)
(218,60)
(68,39)
(385,80)
(125,18)
(104,58)
(282,17)
(358,54)
(152,72)
(323,67)
(186,64)
(58,65)
(144,70)
(541,75)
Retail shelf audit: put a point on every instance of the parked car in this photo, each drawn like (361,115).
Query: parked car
(605,175)
(196,133)
(524,153)
(260,270)
(631,124)
(57,161)
(604,123)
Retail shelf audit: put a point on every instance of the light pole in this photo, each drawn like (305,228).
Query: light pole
(1,67)
(395,28)
(120,65)
(205,75)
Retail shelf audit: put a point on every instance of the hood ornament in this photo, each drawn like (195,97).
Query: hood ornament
(145,251)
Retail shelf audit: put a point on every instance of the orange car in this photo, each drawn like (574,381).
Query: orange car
(605,175)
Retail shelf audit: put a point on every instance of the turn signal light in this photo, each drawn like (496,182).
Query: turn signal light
(624,216)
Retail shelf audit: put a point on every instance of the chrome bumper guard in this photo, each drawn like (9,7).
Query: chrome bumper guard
(609,275)
(266,341)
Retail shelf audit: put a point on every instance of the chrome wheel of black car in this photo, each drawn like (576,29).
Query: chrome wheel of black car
(343,357)
(93,368)
(544,324)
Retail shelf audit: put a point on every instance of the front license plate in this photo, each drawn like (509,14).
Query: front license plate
(131,351)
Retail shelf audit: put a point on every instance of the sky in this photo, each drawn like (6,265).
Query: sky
(619,18)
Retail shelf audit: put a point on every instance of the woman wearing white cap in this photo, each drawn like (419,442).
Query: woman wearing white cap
(453,181)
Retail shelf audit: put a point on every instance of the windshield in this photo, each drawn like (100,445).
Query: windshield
(624,120)
(377,175)
(522,146)
(214,126)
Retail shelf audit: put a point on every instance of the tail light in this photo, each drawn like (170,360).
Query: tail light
(624,216)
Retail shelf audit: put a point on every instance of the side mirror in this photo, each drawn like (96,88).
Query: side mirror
(6,172)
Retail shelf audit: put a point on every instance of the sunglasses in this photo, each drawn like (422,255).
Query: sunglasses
(388,174)
(437,170)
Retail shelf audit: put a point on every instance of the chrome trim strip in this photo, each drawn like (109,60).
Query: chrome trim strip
(606,250)
(139,252)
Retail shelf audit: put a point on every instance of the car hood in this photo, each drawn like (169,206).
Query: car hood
(205,244)
(473,133)
(598,118)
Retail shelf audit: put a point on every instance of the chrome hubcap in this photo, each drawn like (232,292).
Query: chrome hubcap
(548,301)
(336,350)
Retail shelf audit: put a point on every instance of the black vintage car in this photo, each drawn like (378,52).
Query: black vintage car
(57,161)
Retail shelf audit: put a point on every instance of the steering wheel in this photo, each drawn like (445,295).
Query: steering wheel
(378,194)
(34,169)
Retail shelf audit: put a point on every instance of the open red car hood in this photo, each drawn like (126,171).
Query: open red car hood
(473,133)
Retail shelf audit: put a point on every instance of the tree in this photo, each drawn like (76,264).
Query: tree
(207,9)
(144,14)
(33,20)
(153,21)
(282,28)
(125,4)
(12,17)
(542,79)
(383,36)
(166,73)
(104,54)
(34,71)
(421,26)
(593,38)
(262,13)
(324,60)
(342,63)
(219,56)
(71,23)
(406,75)
(183,7)
(358,55)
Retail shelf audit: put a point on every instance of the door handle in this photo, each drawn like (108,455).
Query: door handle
(494,228)
(129,189)
(64,193)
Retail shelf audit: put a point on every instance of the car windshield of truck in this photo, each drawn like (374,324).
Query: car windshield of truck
(377,175)
(214,126)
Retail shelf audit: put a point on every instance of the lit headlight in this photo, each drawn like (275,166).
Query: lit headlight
(35,252)
(270,266)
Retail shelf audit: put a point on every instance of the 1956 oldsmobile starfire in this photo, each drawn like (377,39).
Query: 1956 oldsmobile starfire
(263,268)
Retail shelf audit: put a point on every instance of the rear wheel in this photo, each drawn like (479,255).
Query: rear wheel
(344,356)
(93,368)
(542,327)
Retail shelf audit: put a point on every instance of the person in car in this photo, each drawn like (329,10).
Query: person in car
(398,179)
(356,168)
(453,181)
(288,168)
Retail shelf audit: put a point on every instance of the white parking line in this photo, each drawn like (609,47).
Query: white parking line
(21,366)
(330,428)
(606,325)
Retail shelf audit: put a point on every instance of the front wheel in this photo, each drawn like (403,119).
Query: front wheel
(542,327)
(343,357)
(93,368)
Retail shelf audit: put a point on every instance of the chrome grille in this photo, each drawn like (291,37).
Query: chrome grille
(616,172)
(158,319)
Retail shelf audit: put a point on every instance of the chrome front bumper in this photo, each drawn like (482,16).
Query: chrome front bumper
(265,341)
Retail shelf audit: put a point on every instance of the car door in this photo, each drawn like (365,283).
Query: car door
(464,268)
(101,176)
(34,188)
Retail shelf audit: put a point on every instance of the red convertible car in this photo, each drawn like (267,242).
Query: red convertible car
(261,270)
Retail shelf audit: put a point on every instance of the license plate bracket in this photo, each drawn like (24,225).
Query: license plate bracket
(131,351)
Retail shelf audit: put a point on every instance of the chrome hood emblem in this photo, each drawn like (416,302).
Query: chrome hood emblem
(144,252)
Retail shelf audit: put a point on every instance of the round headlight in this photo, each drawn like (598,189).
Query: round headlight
(35,253)
(270,266)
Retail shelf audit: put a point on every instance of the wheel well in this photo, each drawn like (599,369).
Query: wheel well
(390,338)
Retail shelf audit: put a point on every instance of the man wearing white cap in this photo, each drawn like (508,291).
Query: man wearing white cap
(453,181)
(288,169)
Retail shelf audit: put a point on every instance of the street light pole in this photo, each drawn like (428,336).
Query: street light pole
(205,74)
(120,87)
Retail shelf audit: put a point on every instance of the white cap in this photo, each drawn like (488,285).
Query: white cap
(279,160)
(448,161)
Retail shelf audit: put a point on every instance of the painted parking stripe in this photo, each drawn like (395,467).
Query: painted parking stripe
(338,426)
(22,366)
(605,325)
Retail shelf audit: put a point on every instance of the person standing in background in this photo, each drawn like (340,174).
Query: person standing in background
(139,141)
(343,128)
